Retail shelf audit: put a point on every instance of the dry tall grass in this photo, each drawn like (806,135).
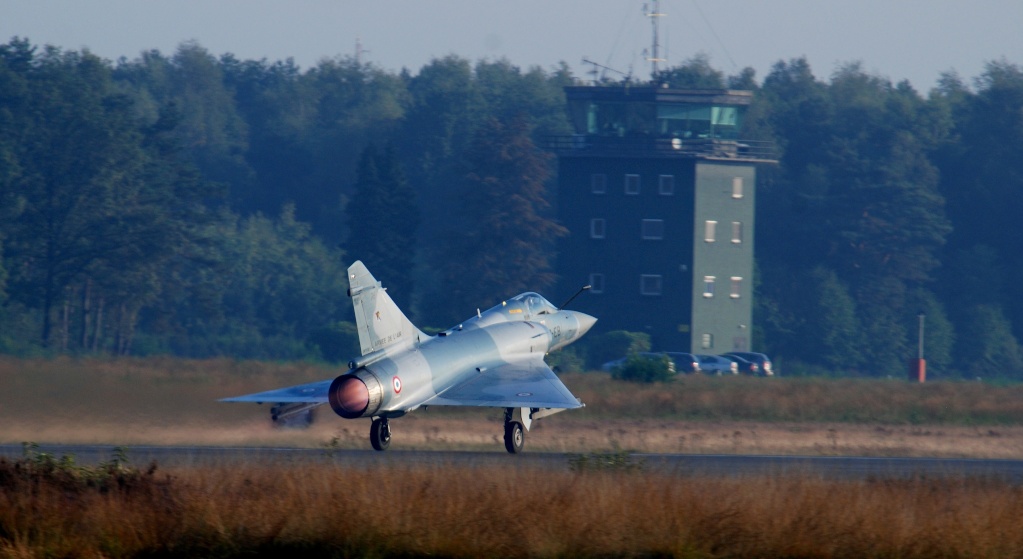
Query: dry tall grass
(447,511)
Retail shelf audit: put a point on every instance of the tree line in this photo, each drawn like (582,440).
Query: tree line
(204,205)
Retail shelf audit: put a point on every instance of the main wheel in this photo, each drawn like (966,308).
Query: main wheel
(380,434)
(514,437)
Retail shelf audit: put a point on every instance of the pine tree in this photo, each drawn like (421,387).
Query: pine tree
(383,219)
(503,238)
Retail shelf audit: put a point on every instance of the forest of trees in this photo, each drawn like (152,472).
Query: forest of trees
(202,205)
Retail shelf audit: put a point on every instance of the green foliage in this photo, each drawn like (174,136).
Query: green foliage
(133,198)
(503,240)
(337,342)
(566,360)
(383,219)
(986,345)
(642,368)
(37,470)
(612,345)
(693,73)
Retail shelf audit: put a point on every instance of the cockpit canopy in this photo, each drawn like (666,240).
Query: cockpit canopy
(534,304)
(525,306)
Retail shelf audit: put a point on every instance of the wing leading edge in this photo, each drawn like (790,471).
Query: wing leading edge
(529,384)
(312,392)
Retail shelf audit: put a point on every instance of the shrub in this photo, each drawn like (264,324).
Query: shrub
(613,345)
(639,368)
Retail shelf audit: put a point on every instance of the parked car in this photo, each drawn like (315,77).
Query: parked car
(612,365)
(745,367)
(763,361)
(683,362)
(717,365)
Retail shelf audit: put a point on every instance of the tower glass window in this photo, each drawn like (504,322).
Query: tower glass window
(666,185)
(598,228)
(650,284)
(632,184)
(598,183)
(596,283)
(708,286)
(737,232)
(736,287)
(710,230)
(737,187)
(652,230)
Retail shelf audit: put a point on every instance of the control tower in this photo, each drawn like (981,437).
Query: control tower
(658,191)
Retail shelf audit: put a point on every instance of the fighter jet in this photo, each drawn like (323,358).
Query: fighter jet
(493,359)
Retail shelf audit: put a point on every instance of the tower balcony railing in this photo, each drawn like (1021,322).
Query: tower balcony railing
(647,146)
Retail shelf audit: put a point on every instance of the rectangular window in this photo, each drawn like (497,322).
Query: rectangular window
(737,232)
(598,183)
(596,283)
(707,341)
(653,229)
(666,185)
(736,287)
(737,187)
(632,184)
(708,286)
(597,228)
(710,231)
(650,284)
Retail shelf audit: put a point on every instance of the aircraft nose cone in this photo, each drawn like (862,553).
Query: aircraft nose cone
(585,322)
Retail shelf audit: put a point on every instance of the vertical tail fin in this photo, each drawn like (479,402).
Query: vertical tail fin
(380,322)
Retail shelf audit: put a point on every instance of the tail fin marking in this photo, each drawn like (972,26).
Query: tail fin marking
(380,322)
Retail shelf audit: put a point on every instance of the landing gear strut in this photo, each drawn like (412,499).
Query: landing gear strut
(380,434)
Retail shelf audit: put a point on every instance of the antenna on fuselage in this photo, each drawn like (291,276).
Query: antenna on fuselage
(581,289)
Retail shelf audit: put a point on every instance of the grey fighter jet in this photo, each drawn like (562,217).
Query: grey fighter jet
(494,359)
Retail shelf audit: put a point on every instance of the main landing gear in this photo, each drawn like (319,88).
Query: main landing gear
(380,434)
(516,422)
(515,425)
(514,437)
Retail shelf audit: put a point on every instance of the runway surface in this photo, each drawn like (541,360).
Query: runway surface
(828,467)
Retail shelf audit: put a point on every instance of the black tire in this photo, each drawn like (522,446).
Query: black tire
(380,434)
(514,437)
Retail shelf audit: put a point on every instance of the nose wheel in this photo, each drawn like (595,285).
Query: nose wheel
(380,434)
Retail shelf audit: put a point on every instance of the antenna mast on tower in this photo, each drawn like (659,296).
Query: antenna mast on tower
(654,57)
(359,51)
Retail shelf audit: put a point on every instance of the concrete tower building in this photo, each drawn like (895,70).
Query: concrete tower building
(658,194)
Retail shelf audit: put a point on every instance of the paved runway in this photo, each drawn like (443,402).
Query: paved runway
(827,467)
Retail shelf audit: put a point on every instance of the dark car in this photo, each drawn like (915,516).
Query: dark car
(612,365)
(763,361)
(717,365)
(683,362)
(745,367)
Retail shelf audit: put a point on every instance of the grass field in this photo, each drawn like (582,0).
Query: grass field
(173,401)
(49,510)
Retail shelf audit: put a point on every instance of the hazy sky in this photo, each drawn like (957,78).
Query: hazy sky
(899,39)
